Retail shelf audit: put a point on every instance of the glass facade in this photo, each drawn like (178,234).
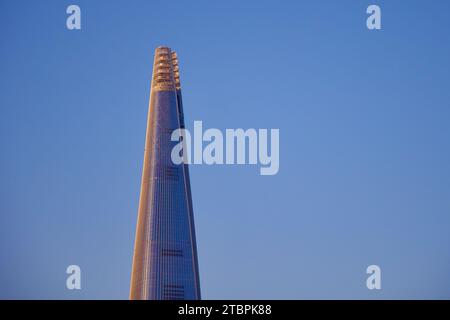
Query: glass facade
(165,265)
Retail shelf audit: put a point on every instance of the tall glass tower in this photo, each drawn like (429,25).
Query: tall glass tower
(165,265)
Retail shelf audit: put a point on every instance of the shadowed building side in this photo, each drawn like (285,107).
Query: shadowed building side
(165,265)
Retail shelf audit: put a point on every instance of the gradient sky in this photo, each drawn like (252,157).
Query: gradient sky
(364,145)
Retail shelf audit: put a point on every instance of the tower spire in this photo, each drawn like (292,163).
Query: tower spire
(165,265)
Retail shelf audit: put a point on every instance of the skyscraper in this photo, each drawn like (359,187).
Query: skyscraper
(165,265)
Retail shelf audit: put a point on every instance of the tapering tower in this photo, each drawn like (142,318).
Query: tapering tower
(165,265)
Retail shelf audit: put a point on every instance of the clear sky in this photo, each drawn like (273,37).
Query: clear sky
(364,144)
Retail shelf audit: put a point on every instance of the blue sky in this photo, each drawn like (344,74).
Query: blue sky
(364,145)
